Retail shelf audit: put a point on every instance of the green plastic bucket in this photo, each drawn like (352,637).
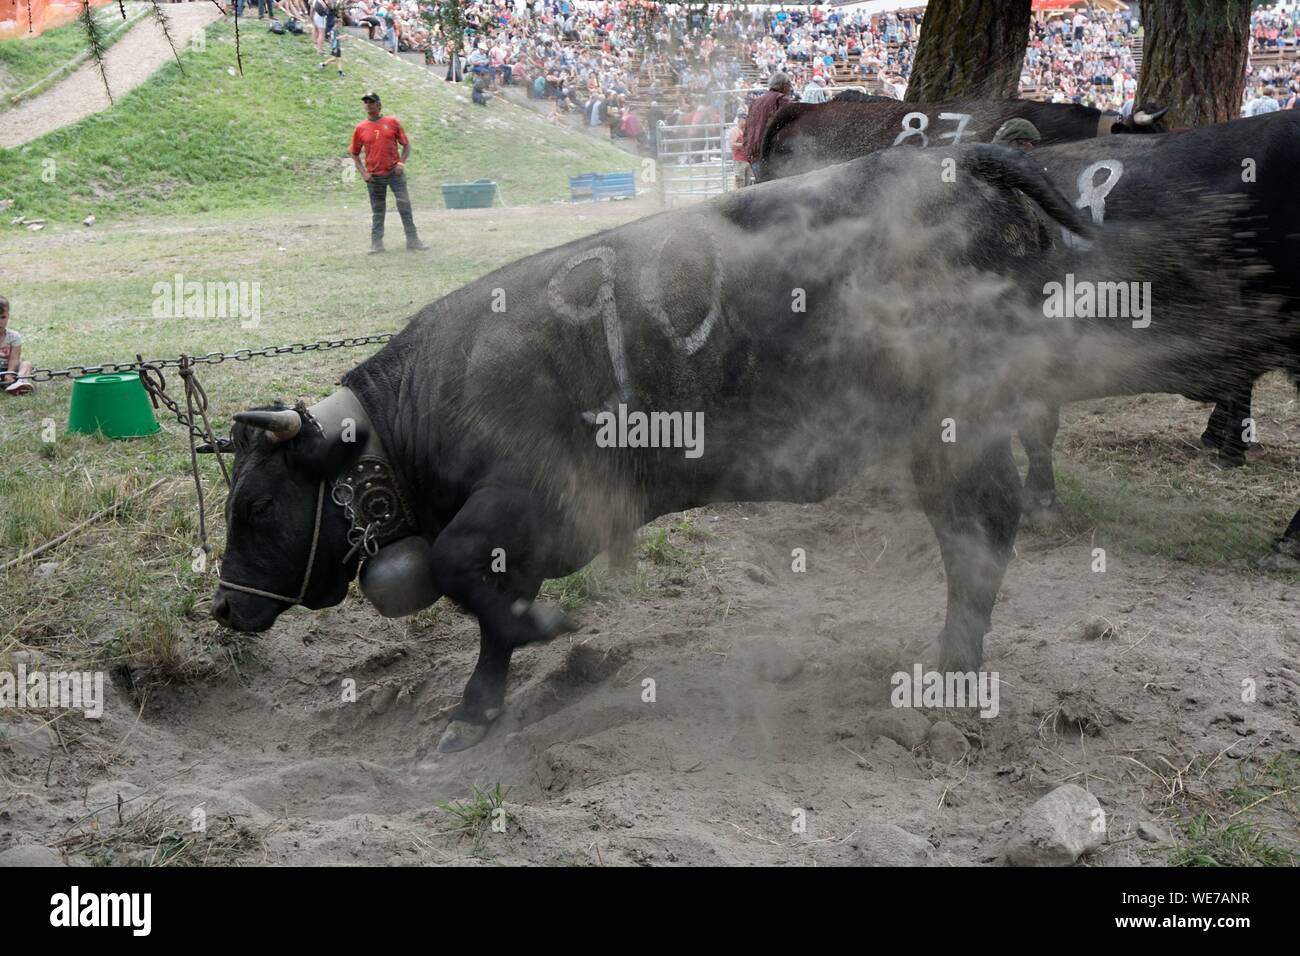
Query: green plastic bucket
(476,195)
(114,404)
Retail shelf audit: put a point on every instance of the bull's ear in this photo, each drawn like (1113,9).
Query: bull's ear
(325,454)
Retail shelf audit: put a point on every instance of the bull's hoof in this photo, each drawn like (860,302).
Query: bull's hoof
(1211,439)
(960,663)
(461,735)
(549,621)
(1230,459)
(1043,515)
(1285,556)
(959,656)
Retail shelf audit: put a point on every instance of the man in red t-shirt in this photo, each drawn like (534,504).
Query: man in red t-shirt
(384,169)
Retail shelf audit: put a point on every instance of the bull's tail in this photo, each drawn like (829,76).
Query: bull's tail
(1008,168)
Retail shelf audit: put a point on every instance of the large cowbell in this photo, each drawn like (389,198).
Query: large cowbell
(398,578)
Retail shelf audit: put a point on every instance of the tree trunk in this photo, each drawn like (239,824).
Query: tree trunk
(1194,59)
(970,49)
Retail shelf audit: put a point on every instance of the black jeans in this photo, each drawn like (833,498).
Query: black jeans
(379,186)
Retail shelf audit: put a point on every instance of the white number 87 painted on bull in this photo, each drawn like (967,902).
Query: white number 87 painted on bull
(922,123)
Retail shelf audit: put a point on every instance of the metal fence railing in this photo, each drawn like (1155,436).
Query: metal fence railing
(693,162)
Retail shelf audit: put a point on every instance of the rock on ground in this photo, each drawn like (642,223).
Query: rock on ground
(1057,829)
(30,855)
(947,743)
(883,844)
(903,724)
(1153,833)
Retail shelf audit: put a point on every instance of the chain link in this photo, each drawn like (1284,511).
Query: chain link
(211,358)
(194,419)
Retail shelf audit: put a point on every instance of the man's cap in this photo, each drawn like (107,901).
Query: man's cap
(1017,130)
(370,98)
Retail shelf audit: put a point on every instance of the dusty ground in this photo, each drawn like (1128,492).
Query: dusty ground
(765,683)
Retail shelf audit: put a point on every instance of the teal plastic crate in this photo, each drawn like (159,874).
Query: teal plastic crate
(476,195)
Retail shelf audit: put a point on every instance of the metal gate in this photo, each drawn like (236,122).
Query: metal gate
(693,161)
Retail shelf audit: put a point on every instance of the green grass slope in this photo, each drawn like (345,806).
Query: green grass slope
(210,139)
(26,61)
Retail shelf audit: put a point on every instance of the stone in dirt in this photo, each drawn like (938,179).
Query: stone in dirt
(904,725)
(1153,833)
(887,752)
(758,575)
(30,855)
(383,699)
(1097,629)
(883,844)
(1057,829)
(27,738)
(947,743)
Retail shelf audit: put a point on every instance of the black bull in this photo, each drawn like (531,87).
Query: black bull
(806,136)
(818,323)
(1245,170)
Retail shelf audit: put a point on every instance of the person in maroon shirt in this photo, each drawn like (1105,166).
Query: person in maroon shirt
(777,95)
(384,169)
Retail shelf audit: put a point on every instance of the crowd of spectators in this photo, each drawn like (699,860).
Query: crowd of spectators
(1085,57)
(626,64)
(1274,79)
(1090,56)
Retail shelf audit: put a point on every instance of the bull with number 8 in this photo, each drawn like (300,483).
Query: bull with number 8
(815,325)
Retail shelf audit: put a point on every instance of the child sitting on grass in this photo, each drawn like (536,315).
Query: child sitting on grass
(14,372)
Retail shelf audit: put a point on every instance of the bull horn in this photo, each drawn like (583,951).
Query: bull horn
(1143,118)
(279,426)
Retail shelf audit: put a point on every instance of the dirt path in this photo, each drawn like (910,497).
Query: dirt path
(129,62)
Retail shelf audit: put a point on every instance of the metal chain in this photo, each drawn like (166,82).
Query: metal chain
(196,409)
(361,537)
(211,358)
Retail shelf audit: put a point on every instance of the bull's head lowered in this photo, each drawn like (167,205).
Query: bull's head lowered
(286,541)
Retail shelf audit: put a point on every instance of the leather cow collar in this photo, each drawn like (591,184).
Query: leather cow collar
(367,491)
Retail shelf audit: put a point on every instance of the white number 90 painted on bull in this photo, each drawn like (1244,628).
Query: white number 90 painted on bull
(603,305)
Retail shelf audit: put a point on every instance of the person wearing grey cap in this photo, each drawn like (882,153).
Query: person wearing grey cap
(384,169)
(777,96)
(1018,133)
